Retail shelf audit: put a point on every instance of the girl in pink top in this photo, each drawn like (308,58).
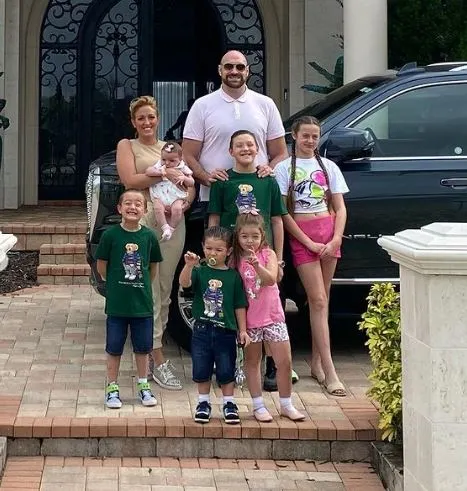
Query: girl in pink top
(257,265)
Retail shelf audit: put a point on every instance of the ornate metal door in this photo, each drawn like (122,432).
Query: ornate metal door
(96,55)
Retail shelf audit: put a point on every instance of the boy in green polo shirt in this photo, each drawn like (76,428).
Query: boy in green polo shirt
(127,257)
(219,310)
(245,192)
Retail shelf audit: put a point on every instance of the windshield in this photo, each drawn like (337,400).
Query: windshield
(338,98)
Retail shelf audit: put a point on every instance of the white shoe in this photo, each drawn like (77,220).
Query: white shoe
(164,375)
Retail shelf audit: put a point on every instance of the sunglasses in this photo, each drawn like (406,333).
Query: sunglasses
(230,66)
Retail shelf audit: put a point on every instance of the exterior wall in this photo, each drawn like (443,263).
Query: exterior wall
(313,29)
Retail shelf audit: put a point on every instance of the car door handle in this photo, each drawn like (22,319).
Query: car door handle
(455,183)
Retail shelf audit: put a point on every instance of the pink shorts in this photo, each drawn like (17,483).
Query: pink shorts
(320,229)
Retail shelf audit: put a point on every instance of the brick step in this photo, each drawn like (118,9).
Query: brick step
(62,254)
(63,274)
(163,473)
(32,237)
(335,440)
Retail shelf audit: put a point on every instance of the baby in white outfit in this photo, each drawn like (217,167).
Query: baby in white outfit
(167,195)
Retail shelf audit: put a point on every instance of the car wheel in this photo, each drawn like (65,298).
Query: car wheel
(180,325)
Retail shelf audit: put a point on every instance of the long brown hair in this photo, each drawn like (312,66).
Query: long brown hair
(246,220)
(293,165)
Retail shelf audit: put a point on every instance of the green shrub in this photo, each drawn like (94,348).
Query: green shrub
(381,322)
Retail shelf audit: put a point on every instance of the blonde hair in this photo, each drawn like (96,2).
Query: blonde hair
(141,101)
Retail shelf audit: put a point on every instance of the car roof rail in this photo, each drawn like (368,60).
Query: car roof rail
(410,68)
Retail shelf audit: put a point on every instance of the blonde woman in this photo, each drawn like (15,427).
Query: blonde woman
(133,158)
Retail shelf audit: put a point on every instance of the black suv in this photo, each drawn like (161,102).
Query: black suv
(400,139)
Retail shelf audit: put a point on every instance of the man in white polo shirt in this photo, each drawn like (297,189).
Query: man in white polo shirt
(211,122)
(214,117)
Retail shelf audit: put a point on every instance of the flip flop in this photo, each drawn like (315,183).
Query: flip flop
(335,389)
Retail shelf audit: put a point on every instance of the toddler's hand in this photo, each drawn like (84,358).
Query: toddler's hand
(191,259)
(252,259)
(244,339)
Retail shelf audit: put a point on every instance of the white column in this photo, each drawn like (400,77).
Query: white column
(365,38)
(9,90)
(297,62)
(2,96)
(433,271)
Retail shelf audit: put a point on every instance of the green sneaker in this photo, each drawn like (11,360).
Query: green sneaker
(112,396)
(295,377)
(145,394)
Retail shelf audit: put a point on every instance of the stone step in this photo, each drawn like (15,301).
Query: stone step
(62,254)
(32,236)
(63,274)
(148,438)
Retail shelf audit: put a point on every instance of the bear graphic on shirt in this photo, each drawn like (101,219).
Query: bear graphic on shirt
(213,299)
(246,201)
(132,262)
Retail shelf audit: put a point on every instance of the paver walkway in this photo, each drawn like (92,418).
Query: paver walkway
(166,474)
(52,364)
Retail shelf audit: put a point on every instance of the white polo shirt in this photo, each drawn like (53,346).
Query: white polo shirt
(213,119)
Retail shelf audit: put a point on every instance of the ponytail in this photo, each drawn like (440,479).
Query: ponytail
(328,195)
(291,191)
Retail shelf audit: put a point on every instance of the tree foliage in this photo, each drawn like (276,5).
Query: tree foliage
(382,324)
(426,31)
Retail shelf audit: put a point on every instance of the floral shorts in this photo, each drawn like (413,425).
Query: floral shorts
(274,333)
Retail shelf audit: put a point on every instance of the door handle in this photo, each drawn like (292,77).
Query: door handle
(455,183)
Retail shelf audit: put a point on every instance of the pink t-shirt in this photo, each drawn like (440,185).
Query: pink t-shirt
(264,303)
(214,117)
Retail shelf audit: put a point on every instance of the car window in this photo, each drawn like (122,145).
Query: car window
(339,98)
(424,121)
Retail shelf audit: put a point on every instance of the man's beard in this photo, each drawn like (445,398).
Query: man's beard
(234,84)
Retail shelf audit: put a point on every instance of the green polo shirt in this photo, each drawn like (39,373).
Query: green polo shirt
(243,192)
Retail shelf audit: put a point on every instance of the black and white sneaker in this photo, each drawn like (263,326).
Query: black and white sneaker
(230,411)
(203,412)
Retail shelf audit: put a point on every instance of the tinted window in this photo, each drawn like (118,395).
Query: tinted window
(426,121)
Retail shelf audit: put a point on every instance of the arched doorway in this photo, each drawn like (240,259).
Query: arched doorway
(96,55)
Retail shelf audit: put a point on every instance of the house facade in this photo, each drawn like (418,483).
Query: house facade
(71,67)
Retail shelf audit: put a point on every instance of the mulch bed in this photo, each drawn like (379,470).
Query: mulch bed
(21,271)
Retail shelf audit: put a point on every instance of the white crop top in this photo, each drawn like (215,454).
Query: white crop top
(310,183)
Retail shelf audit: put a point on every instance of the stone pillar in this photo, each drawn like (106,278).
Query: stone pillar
(10,194)
(365,38)
(433,271)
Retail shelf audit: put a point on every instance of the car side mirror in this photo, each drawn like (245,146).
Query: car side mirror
(348,143)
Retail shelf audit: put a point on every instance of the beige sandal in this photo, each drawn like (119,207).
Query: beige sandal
(335,389)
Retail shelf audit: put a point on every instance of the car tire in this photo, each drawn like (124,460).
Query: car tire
(180,321)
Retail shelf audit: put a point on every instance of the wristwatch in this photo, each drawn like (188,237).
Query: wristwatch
(281,264)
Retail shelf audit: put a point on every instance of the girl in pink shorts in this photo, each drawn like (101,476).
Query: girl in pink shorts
(265,319)
(313,189)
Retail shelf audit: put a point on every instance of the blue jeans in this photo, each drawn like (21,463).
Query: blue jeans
(212,344)
(141,329)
